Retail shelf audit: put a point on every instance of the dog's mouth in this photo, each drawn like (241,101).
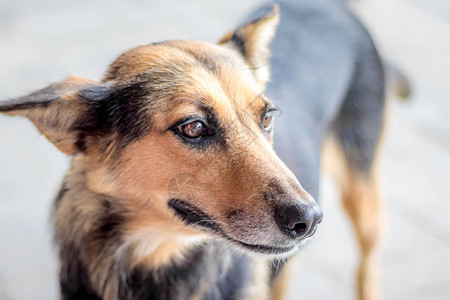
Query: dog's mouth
(192,215)
(195,217)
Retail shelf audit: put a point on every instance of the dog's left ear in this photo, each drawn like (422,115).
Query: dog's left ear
(252,41)
(57,111)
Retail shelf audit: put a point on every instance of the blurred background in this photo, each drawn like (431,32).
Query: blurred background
(44,41)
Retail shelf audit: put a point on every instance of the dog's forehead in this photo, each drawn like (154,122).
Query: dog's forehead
(213,74)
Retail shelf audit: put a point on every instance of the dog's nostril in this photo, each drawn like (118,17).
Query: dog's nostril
(297,220)
(300,227)
(296,226)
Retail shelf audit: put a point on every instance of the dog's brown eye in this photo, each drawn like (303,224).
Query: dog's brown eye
(192,129)
(267,121)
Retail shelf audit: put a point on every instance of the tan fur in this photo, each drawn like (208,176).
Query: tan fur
(280,285)
(257,290)
(362,203)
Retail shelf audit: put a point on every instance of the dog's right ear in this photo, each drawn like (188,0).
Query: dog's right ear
(252,41)
(57,111)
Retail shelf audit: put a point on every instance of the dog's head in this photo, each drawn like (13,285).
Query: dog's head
(180,133)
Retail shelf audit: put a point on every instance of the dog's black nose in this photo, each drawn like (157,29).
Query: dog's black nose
(298,220)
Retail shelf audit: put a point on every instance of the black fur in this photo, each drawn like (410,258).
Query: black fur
(73,276)
(118,109)
(220,272)
(105,236)
(122,108)
(239,43)
(205,268)
(235,214)
(62,191)
(108,226)
(360,120)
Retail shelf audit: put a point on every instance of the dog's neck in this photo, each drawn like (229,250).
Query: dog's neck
(110,251)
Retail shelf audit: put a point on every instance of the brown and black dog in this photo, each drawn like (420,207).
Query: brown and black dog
(175,191)
(173,177)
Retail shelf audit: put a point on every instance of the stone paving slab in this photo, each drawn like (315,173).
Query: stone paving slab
(45,41)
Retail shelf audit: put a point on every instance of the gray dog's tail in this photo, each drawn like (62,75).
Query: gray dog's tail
(397,81)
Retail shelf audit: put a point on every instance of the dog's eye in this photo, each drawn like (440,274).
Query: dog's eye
(192,129)
(267,121)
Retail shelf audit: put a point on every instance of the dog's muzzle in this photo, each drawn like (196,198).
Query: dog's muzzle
(296,221)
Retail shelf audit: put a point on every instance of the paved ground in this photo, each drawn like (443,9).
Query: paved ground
(44,41)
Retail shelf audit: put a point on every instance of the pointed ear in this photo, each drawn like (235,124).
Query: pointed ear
(57,111)
(252,41)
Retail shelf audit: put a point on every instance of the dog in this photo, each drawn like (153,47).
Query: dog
(173,178)
(175,190)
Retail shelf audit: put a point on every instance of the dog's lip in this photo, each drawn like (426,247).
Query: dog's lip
(261,248)
(192,215)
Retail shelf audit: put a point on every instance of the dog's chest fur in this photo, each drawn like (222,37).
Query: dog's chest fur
(210,271)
